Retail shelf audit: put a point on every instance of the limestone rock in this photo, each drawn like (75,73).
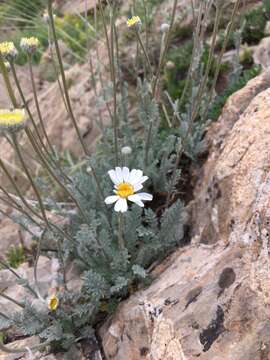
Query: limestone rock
(262,53)
(46,279)
(211,299)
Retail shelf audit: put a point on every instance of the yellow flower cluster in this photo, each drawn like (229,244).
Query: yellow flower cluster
(53,303)
(29,45)
(135,21)
(12,120)
(8,50)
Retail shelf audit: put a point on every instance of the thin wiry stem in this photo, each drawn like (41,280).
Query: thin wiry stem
(35,269)
(121,242)
(18,191)
(26,105)
(110,48)
(7,83)
(144,52)
(4,316)
(225,43)
(37,104)
(30,178)
(55,68)
(195,46)
(24,227)
(7,267)
(9,350)
(116,120)
(183,145)
(147,145)
(62,72)
(12,300)
(146,25)
(166,47)
(52,174)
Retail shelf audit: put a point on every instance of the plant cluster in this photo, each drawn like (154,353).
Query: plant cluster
(113,230)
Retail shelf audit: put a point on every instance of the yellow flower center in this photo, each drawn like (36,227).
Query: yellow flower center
(124,190)
(11,117)
(53,303)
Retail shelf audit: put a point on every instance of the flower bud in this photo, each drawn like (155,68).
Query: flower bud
(126,150)
(170,65)
(164,28)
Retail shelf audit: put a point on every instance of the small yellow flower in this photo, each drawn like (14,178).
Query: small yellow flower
(12,120)
(135,21)
(29,45)
(8,50)
(53,302)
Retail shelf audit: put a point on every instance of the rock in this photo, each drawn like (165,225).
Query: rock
(46,280)
(10,234)
(211,299)
(19,344)
(262,53)
(77,6)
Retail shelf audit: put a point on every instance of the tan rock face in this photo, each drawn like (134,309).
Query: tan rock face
(211,302)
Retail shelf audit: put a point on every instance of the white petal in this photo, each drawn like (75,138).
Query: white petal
(137,187)
(119,174)
(132,175)
(125,172)
(145,196)
(136,199)
(113,176)
(121,205)
(111,199)
(143,179)
(136,176)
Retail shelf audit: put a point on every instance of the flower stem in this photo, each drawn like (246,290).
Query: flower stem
(166,47)
(7,82)
(11,300)
(121,242)
(144,52)
(37,103)
(110,48)
(26,105)
(147,146)
(32,182)
(8,350)
(7,267)
(65,87)
(52,174)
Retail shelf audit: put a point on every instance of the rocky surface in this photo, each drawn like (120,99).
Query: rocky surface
(211,300)
(262,53)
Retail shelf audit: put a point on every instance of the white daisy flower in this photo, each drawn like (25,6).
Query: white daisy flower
(126,185)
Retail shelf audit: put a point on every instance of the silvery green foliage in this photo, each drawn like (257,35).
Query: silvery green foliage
(109,274)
